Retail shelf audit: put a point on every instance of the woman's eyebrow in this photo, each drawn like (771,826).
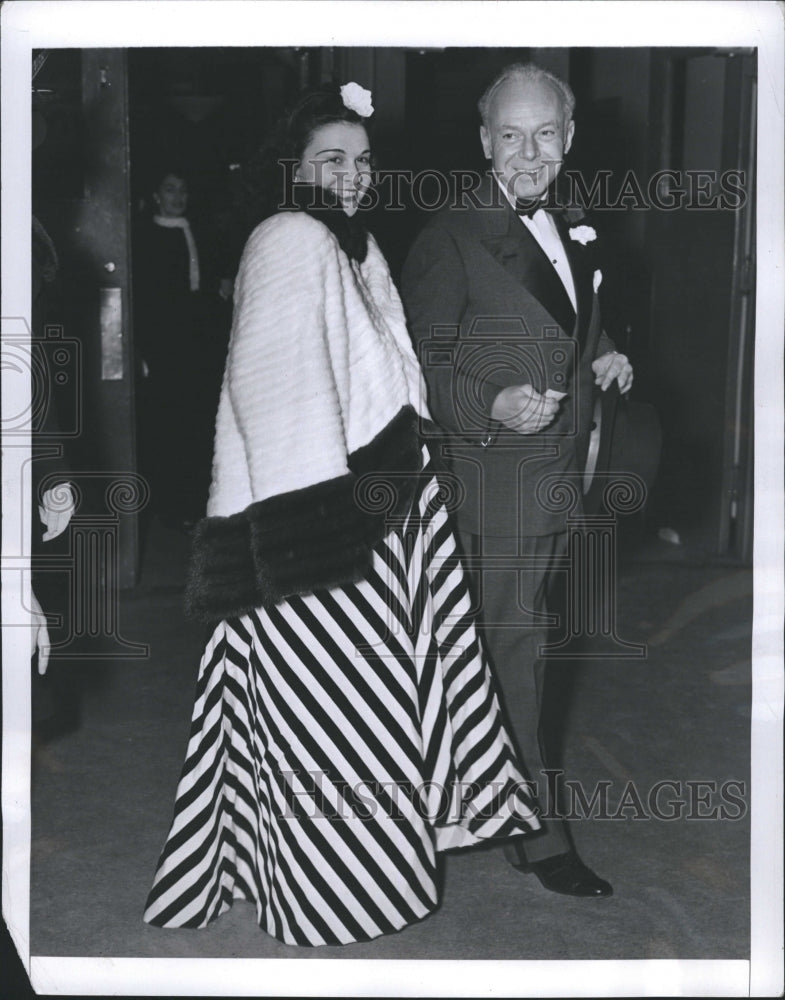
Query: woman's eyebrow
(338,150)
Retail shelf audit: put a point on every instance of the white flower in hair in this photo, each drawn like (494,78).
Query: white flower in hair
(357,98)
(583,234)
(597,280)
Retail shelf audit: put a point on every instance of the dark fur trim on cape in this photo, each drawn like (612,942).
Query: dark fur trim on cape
(322,205)
(318,537)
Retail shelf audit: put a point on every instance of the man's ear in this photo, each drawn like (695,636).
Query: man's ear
(485,139)
(569,132)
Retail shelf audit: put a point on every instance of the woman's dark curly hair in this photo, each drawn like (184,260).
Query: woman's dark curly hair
(265,176)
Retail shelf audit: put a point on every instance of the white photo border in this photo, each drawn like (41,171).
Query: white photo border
(123,24)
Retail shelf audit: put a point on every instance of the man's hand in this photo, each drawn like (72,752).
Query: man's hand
(39,635)
(612,366)
(57,506)
(524,409)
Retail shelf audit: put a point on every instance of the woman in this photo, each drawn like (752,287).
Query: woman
(345,726)
(178,394)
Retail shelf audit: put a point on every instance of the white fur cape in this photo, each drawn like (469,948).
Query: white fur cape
(321,386)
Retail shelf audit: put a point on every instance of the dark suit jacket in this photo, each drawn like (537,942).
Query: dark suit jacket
(487,310)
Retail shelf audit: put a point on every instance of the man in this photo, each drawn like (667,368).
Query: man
(501,298)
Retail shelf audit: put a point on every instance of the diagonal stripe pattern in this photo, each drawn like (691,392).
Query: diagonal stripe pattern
(339,740)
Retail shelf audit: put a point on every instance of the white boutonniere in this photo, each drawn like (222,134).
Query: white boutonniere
(583,234)
(357,98)
(597,280)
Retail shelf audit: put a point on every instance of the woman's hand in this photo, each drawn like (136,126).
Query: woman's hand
(39,635)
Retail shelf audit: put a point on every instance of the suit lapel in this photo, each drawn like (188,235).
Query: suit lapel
(522,257)
(582,272)
(514,248)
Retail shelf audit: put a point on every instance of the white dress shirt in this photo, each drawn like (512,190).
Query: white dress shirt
(543,229)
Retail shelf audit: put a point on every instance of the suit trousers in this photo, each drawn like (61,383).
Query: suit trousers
(511,579)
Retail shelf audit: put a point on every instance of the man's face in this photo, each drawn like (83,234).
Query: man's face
(526,137)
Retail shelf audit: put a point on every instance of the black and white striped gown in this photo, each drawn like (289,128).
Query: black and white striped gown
(338,742)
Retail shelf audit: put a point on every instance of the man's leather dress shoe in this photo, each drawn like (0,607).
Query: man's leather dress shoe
(564,873)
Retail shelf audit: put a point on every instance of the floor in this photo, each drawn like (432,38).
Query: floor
(103,794)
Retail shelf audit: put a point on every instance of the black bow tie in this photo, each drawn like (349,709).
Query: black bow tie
(526,209)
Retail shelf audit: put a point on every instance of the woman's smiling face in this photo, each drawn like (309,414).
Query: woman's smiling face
(338,159)
(171,197)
